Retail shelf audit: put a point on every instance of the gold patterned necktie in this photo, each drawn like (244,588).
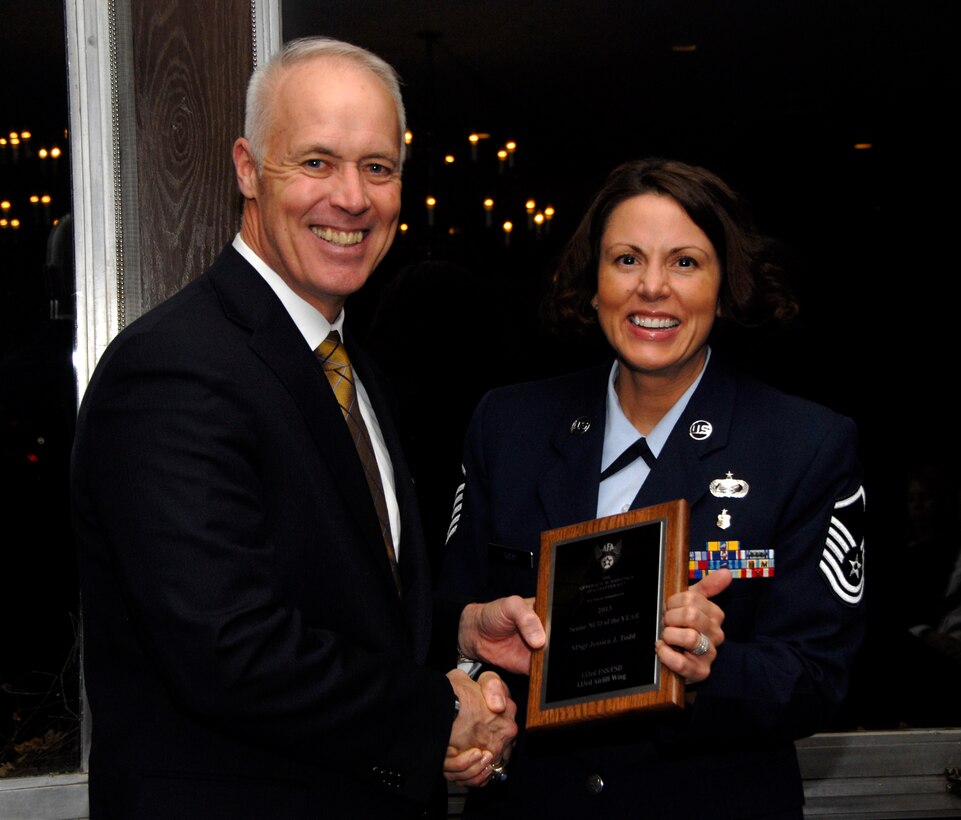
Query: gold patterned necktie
(333,357)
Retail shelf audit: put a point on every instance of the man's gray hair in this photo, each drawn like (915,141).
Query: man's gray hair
(263,82)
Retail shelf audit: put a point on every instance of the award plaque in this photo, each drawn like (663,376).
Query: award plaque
(601,588)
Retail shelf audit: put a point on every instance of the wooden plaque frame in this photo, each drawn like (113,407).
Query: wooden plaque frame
(602,611)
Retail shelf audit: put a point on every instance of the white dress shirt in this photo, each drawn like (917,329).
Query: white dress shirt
(314,327)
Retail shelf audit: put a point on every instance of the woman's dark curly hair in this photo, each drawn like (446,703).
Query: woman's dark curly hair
(753,289)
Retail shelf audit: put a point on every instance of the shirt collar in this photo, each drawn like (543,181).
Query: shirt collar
(619,433)
(311,323)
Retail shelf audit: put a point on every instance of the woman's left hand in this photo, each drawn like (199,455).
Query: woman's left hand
(692,628)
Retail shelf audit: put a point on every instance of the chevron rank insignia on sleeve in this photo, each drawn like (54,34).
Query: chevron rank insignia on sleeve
(842,561)
(458,506)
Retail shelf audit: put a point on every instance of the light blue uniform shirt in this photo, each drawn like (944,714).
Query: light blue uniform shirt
(617,492)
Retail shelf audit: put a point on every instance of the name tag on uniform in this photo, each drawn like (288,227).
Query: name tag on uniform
(510,556)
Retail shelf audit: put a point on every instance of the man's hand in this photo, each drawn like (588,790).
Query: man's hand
(689,618)
(502,633)
(484,730)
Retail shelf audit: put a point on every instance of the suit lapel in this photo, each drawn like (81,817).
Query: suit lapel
(414,568)
(249,301)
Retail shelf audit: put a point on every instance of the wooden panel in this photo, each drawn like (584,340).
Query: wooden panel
(192,59)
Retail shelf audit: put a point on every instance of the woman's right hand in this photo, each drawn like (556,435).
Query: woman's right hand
(692,628)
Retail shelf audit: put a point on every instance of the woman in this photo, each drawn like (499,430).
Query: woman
(664,251)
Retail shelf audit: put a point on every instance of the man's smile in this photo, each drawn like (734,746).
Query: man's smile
(337,237)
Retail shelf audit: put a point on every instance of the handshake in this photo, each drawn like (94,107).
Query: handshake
(503,633)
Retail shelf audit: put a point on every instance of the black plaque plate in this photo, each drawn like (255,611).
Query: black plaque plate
(600,594)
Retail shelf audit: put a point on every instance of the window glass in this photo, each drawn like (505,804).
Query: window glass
(39,671)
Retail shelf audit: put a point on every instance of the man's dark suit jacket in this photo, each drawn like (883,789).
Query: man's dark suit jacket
(246,653)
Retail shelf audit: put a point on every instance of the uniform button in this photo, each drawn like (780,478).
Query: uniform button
(594,784)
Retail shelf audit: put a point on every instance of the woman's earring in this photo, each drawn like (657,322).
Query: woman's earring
(594,304)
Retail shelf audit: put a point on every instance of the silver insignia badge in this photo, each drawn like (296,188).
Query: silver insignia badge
(580,426)
(701,430)
(607,554)
(723,519)
(729,487)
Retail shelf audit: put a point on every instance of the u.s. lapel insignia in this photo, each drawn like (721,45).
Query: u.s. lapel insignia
(580,426)
(700,430)
(723,519)
(729,487)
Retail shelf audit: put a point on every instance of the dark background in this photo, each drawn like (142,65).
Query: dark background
(774,98)
(39,691)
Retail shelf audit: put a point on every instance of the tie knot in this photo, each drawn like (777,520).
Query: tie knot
(332,352)
(639,449)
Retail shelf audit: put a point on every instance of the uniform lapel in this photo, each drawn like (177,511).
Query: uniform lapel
(703,428)
(569,488)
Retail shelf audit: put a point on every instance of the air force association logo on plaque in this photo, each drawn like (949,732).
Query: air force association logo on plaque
(607,554)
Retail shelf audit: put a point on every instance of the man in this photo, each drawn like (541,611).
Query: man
(254,630)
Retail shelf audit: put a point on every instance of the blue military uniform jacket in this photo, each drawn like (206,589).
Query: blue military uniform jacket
(786,478)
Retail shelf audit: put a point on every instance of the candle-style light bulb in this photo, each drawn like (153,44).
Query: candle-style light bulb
(488,211)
